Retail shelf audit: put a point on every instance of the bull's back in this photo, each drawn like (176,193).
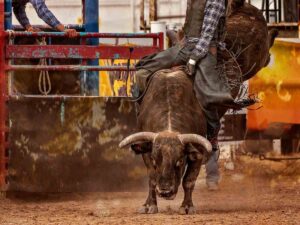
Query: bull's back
(170,104)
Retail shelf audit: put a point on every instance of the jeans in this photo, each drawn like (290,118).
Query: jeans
(212,168)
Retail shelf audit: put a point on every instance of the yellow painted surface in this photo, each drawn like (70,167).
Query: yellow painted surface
(278,86)
(111,82)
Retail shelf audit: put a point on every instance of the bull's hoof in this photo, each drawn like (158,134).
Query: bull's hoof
(143,210)
(153,209)
(187,210)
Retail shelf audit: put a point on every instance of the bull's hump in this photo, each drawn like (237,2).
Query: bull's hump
(177,87)
(174,107)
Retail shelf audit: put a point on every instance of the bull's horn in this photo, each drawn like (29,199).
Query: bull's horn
(196,139)
(138,137)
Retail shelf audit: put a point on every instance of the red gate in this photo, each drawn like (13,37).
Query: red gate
(83,52)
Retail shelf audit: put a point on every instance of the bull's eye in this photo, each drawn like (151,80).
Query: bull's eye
(180,162)
(156,146)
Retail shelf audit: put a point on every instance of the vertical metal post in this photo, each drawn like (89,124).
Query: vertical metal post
(275,11)
(268,11)
(8,15)
(83,11)
(279,11)
(91,21)
(161,41)
(142,15)
(132,9)
(3,95)
(153,10)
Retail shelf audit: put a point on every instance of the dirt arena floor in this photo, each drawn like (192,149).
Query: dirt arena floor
(253,193)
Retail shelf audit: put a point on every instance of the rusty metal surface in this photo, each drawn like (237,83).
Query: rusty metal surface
(85,35)
(68,68)
(72,145)
(3,111)
(78,52)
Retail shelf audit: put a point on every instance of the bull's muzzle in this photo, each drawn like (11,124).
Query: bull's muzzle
(166,194)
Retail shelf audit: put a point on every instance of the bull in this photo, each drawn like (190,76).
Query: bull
(171,123)
(173,128)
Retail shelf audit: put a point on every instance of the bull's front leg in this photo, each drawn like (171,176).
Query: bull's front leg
(150,205)
(188,183)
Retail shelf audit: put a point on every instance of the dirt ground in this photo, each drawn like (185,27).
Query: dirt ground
(253,193)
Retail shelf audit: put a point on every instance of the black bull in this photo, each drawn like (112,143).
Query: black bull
(171,122)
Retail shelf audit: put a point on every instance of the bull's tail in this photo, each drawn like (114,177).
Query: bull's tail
(271,36)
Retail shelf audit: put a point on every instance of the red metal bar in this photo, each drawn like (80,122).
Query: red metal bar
(84,34)
(3,93)
(67,68)
(77,51)
(161,41)
(46,27)
(57,97)
(155,42)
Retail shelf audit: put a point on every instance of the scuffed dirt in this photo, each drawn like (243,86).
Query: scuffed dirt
(255,197)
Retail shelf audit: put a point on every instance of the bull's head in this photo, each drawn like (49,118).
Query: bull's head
(167,153)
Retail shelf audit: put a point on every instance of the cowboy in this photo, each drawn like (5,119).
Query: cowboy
(43,12)
(204,30)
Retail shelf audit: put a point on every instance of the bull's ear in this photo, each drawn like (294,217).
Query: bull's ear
(195,139)
(141,148)
(193,153)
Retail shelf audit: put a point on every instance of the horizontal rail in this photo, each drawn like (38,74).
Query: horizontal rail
(277,159)
(84,35)
(171,17)
(67,68)
(78,52)
(46,27)
(62,97)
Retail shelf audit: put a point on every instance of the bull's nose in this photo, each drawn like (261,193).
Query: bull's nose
(164,193)
(162,190)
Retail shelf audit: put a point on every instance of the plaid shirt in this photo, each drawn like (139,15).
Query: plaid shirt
(214,10)
(41,9)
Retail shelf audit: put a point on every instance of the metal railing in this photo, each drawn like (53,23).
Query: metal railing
(83,52)
(9,51)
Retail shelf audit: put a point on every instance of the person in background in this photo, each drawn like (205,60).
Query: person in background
(43,12)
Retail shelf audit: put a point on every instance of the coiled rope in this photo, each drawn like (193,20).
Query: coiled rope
(44,78)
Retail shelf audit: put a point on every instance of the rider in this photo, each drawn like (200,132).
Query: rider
(204,30)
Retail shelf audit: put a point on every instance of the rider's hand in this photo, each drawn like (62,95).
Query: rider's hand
(72,33)
(193,61)
(191,67)
(30,28)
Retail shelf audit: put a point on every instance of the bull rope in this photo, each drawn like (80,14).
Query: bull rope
(44,78)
